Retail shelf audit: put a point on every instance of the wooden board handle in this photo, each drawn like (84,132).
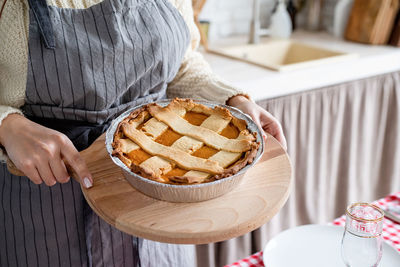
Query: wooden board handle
(14,170)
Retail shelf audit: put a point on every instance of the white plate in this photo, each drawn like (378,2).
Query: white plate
(315,245)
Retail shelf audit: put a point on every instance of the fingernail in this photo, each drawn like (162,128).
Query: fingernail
(87,182)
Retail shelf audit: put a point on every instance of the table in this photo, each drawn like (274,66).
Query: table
(391,233)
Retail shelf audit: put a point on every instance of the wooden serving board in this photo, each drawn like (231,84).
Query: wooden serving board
(371,21)
(263,192)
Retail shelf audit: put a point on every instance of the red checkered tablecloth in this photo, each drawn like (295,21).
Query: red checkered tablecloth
(391,233)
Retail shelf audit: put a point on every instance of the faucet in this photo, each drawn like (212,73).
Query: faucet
(255,28)
(280,25)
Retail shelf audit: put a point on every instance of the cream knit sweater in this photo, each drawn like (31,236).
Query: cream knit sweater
(194,79)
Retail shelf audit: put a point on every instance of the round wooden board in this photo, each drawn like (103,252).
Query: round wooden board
(263,192)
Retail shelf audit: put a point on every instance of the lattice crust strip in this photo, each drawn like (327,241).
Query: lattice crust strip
(207,136)
(158,166)
(155,166)
(181,158)
(224,158)
(179,153)
(186,144)
(190,145)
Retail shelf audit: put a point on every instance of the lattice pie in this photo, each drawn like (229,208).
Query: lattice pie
(184,142)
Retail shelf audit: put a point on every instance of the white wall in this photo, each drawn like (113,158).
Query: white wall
(229,17)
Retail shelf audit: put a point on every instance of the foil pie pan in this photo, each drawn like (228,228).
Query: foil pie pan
(184,193)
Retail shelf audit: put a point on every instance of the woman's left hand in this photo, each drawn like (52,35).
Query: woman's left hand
(261,117)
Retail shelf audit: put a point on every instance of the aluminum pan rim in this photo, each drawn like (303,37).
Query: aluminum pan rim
(235,112)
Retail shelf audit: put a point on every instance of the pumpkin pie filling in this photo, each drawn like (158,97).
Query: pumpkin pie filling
(195,118)
(168,137)
(211,143)
(137,156)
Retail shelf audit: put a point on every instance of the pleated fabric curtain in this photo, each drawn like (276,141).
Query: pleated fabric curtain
(344,144)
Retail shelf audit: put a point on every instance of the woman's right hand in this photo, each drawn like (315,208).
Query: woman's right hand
(40,152)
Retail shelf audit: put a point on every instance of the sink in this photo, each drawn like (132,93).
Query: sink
(283,55)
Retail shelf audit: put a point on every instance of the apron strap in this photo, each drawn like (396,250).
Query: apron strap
(42,15)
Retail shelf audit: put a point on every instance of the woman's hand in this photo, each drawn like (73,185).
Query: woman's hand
(261,117)
(40,152)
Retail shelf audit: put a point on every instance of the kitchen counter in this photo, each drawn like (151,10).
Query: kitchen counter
(261,83)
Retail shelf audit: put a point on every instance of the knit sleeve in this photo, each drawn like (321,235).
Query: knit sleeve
(13,58)
(195,78)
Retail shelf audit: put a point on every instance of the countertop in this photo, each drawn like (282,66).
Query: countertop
(261,83)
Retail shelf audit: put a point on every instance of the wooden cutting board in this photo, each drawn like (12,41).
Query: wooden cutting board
(263,192)
(371,21)
(395,37)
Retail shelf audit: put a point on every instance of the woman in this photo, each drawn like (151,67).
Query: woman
(68,67)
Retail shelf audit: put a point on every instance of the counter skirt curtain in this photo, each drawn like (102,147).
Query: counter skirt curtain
(344,144)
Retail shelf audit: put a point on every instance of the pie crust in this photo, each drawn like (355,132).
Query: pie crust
(184,142)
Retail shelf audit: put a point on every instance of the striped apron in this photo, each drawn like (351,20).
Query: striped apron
(85,67)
